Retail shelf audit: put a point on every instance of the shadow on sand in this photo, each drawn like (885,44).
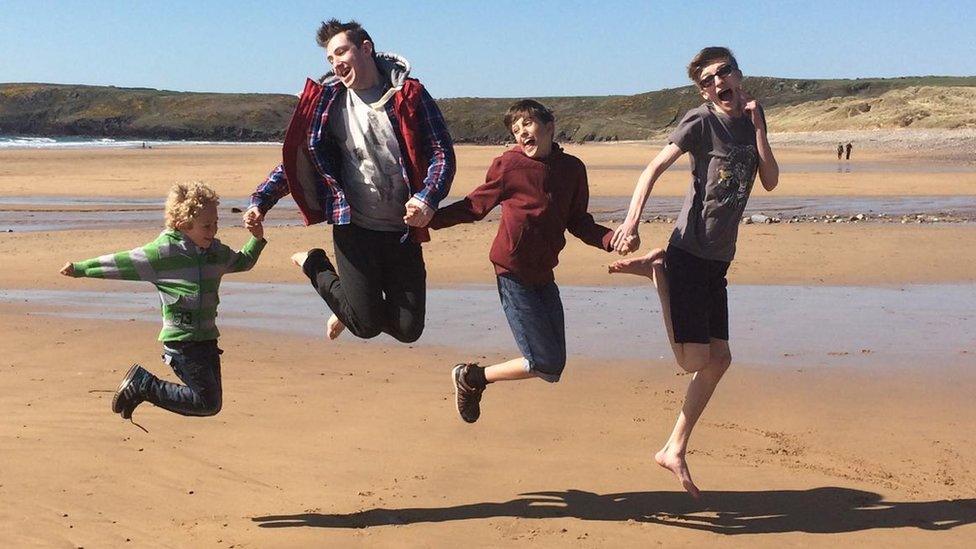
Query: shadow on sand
(819,510)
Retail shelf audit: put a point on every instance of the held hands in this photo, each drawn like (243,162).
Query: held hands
(68,269)
(631,244)
(625,238)
(252,217)
(256,228)
(418,213)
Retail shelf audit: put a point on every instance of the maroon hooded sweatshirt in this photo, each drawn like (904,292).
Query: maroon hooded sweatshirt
(540,199)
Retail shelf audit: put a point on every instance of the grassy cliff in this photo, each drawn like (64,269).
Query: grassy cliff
(791,105)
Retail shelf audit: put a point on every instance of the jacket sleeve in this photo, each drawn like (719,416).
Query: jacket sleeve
(580,222)
(271,191)
(477,204)
(440,149)
(245,259)
(135,264)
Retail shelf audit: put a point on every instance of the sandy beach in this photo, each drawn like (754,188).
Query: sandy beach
(350,443)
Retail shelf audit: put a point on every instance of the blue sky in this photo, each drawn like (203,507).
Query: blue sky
(478,48)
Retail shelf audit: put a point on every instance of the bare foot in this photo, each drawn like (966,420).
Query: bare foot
(677,465)
(299,259)
(643,265)
(334,327)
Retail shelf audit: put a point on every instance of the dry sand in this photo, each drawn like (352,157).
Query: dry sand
(612,171)
(343,444)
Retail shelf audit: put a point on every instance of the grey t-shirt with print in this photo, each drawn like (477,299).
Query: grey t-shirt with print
(724,161)
(372,166)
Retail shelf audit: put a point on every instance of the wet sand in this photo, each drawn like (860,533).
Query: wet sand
(612,171)
(775,326)
(323,444)
(46,213)
(357,443)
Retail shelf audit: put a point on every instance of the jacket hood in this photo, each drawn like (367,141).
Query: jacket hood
(394,69)
(183,242)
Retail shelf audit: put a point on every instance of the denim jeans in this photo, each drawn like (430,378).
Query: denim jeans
(535,314)
(197,364)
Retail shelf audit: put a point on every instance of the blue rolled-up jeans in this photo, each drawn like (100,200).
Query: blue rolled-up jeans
(535,314)
(197,364)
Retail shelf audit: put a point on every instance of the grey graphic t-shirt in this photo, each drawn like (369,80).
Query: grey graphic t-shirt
(372,169)
(724,161)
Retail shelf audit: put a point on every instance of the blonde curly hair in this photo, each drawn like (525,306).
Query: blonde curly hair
(185,201)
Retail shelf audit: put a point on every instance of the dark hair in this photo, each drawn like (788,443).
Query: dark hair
(528,108)
(356,33)
(708,56)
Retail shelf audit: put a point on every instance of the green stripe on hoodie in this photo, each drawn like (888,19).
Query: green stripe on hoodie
(187,277)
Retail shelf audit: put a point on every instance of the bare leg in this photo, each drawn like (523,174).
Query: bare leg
(652,266)
(334,326)
(672,455)
(708,362)
(507,371)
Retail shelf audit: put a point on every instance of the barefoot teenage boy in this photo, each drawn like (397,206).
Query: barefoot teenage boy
(543,192)
(726,140)
(185,263)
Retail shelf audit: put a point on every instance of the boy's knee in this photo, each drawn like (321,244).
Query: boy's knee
(363,332)
(551,370)
(211,407)
(693,364)
(717,364)
(722,361)
(409,333)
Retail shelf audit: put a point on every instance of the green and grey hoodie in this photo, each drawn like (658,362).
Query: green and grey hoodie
(186,276)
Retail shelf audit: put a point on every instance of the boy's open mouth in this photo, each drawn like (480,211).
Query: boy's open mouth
(342,70)
(726,95)
(528,142)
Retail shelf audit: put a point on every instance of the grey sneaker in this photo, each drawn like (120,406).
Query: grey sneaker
(468,398)
(129,394)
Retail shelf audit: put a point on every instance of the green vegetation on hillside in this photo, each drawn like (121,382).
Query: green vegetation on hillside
(791,105)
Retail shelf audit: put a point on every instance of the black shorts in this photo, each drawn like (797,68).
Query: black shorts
(699,299)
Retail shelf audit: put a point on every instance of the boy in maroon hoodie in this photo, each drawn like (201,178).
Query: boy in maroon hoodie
(543,192)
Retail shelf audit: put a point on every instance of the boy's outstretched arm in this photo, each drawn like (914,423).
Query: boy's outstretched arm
(267,194)
(580,222)
(625,237)
(439,149)
(135,264)
(245,259)
(477,204)
(768,168)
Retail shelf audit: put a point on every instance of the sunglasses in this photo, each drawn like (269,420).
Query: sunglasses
(722,72)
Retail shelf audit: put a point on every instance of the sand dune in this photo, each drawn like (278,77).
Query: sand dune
(916,106)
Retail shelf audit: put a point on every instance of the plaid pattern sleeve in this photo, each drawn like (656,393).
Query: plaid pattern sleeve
(440,149)
(271,191)
(339,212)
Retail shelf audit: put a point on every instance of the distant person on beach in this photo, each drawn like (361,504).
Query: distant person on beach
(849,148)
(185,263)
(840,150)
(367,151)
(726,139)
(543,192)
